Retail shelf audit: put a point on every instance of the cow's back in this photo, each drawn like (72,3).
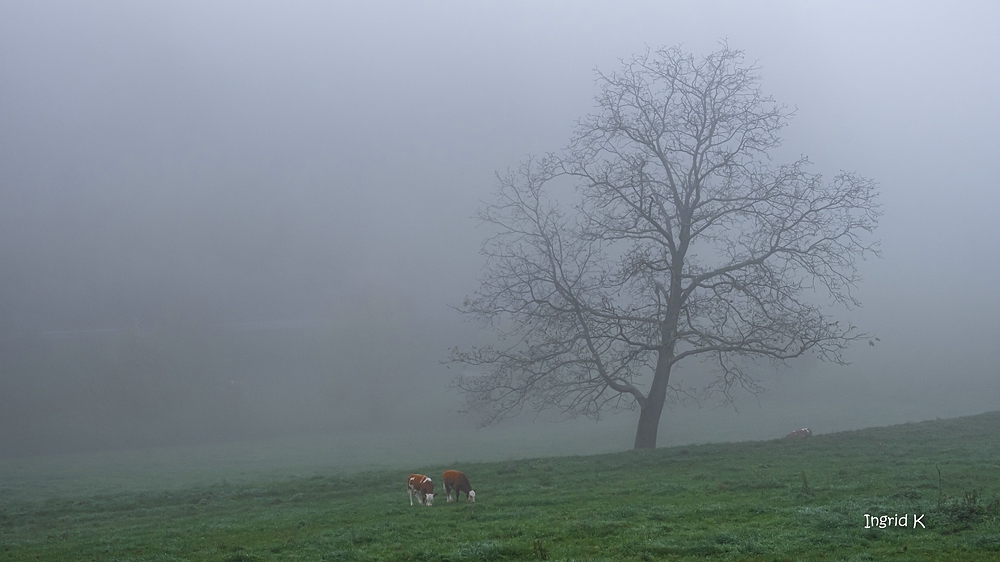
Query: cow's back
(456,480)
(421,483)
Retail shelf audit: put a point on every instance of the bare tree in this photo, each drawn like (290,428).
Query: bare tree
(686,241)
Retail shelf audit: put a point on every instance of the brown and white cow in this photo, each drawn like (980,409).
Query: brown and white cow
(455,480)
(800,433)
(423,487)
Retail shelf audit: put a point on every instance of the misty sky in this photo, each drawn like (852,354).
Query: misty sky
(219,162)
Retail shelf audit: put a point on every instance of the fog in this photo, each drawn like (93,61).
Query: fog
(225,221)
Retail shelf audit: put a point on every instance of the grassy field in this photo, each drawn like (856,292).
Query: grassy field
(766,500)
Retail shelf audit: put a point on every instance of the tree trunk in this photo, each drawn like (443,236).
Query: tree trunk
(649,423)
(651,408)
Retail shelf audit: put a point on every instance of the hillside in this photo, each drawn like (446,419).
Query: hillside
(767,500)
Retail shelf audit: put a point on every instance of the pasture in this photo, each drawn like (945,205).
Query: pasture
(762,501)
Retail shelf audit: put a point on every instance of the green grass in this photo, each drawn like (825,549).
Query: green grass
(767,501)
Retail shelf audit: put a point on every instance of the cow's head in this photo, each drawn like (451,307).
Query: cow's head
(429,499)
(472,496)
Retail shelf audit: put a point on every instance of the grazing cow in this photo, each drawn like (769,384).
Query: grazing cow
(455,480)
(800,433)
(421,486)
